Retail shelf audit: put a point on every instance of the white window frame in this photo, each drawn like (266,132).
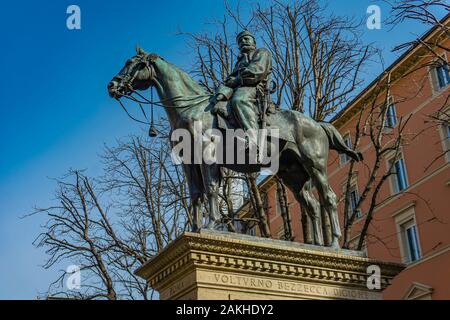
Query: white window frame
(277,203)
(444,132)
(391,106)
(404,230)
(354,188)
(395,188)
(403,220)
(344,158)
(434,76)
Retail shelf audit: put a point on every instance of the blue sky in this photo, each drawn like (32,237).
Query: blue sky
(55,113)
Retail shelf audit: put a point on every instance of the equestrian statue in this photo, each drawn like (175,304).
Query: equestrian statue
(242,102)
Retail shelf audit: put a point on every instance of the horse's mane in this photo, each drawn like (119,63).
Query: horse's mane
(183,74)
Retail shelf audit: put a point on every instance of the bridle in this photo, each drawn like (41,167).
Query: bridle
(126,81)
(148,60)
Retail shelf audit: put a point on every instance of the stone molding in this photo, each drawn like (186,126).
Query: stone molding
(252,256)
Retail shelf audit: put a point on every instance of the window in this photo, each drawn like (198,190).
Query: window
(408,233)
(446,140)
(343,157)
(399,177)
(238,226)
(447,136)
(353,202)
(278,204)
(411,243)
(391,116)
(252,231)
(442,75)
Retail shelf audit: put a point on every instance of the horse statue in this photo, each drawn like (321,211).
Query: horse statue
(302,155)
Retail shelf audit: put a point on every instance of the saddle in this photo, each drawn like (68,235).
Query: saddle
(229,121)
(275,119)
(264,107)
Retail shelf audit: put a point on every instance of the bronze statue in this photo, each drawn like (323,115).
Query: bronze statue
(304,143)
(250,75)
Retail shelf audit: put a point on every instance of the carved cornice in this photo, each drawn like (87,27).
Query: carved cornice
(216,252)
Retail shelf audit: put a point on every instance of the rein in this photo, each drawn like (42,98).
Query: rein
(129,80)
(162,103)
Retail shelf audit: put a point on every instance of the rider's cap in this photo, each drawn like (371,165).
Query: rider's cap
(243,34)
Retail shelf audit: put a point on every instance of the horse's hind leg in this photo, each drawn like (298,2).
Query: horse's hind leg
(197,212)
(295,177)
(328,201)
(311,205)
(313,145)
(196,194)
(211,174)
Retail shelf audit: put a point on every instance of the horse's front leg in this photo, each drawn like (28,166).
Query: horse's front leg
(211,182)
(197,213)
(194,179)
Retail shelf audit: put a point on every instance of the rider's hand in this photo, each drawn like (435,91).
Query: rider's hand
(232,82)
(220,97)
(220,108)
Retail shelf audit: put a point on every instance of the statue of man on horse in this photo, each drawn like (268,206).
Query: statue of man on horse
(304,146)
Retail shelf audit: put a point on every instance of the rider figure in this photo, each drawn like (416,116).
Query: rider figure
(250,75)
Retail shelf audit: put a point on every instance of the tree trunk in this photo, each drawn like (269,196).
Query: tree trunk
(285,212)
(259,207)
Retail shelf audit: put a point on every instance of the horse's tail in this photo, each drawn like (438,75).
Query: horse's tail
(337,142)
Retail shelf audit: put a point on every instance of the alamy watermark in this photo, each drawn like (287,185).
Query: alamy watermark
(374,20)
(236,147)
(374,277)
(73,21)
(73,281)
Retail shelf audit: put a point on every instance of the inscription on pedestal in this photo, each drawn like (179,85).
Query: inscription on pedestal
(249,282)
(210,266)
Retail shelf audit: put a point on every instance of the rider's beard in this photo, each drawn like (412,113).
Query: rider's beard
(247,48)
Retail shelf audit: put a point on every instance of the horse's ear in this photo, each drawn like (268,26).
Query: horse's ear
(139,50)
(153,56)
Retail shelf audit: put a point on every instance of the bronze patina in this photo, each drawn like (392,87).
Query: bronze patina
(303,152)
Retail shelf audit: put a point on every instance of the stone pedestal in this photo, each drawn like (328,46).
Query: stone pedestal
(221,265)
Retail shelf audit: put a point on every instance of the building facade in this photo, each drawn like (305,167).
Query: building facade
(411,220)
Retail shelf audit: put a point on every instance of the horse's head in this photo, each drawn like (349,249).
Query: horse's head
(137,74)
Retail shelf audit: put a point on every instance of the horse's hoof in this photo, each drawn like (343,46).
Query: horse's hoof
(212,225)
(335,244)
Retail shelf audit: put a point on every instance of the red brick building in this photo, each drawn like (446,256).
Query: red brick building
(411,222)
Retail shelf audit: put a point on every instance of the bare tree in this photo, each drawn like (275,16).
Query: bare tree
(109,226)
(386,139)
(285,213)
(258,204)
(434,14)
(141,176)
(427,12)
(215,53)
(318,61)
(317,56)
(373,123)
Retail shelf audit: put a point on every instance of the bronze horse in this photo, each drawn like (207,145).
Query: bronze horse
(301,159)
